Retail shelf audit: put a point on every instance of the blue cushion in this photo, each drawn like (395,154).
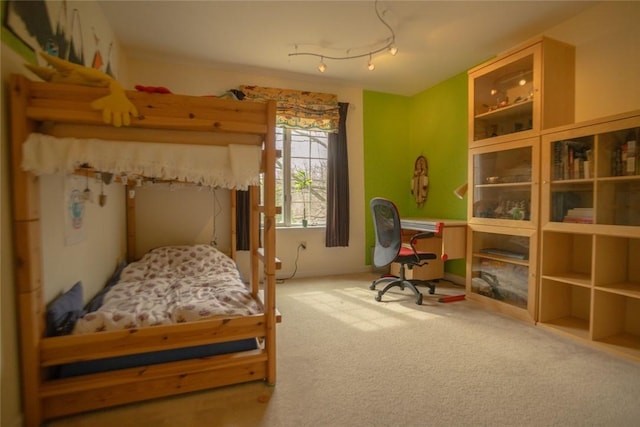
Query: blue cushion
(64,311)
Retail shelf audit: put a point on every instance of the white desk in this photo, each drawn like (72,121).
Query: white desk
(450,242)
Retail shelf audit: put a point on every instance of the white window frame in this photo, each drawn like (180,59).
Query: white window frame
(283,142)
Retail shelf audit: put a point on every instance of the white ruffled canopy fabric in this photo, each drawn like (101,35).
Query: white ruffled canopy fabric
(234,166)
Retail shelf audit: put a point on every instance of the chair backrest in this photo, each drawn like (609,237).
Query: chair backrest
(386,223)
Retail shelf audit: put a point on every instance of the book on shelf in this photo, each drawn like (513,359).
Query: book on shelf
(572,160)
(504,253)
(581,212)
(563,202)
(579,215)
(577,220)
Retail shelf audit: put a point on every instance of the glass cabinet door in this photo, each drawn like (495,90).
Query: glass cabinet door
(503,97)
(593,178)
(572,180)
(499,268)
(618,177)
(503,189)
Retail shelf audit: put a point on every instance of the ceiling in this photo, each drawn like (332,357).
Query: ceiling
(436,39)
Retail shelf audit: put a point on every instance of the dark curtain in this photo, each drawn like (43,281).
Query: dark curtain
(243,209)
(337,229)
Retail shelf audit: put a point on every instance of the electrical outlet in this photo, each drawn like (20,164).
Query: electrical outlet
(303,244)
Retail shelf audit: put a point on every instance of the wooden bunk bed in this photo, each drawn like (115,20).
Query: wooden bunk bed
(63,110)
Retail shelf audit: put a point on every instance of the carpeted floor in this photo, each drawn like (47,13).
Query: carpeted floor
(346,360)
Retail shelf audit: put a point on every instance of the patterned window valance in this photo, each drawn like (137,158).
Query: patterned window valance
(299,109)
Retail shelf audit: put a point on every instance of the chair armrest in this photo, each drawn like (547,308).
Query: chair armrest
(419,236)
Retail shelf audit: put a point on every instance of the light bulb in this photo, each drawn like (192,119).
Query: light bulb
(322,67)
(371,66)
(522,82)
(393,50)
(494,91)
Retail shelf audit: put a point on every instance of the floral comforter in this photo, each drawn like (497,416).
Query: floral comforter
(172,284)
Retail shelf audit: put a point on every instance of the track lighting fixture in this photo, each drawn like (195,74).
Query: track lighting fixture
(322,67)
(389,46)
(371,66)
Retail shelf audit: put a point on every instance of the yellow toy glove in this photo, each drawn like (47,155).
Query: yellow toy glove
(115,107)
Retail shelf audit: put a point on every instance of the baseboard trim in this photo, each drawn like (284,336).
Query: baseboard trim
(454,278)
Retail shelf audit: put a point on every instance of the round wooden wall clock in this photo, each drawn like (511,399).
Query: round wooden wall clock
(420,180)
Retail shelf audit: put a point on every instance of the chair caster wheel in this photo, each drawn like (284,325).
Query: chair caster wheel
(432,291)
(378,297)
(419,300)
(372,286)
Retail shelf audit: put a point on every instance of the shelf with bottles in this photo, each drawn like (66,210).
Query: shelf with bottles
(499,273)
(618,153)
(502,183)
(506,93)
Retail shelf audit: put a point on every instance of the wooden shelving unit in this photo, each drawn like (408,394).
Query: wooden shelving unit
(590,270)
(511,99)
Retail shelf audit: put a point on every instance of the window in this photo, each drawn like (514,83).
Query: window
(301,177)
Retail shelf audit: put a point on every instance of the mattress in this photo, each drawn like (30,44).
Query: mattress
(151,358)
(172,284)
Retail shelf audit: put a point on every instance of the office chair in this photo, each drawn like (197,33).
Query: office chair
(389,248)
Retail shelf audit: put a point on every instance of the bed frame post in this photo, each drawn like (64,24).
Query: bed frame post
(28,255)
(234,223)
(269,231)
(254,237)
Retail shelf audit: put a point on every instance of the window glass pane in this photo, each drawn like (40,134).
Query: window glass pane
(318,148)
(317,170)
(301,176)
(297,212)
(300,149)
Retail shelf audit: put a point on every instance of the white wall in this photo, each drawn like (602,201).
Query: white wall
(183,214)
(199,80)
(607,41)
(95,258)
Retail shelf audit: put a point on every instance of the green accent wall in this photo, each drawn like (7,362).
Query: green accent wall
(397,130)
(385,133)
